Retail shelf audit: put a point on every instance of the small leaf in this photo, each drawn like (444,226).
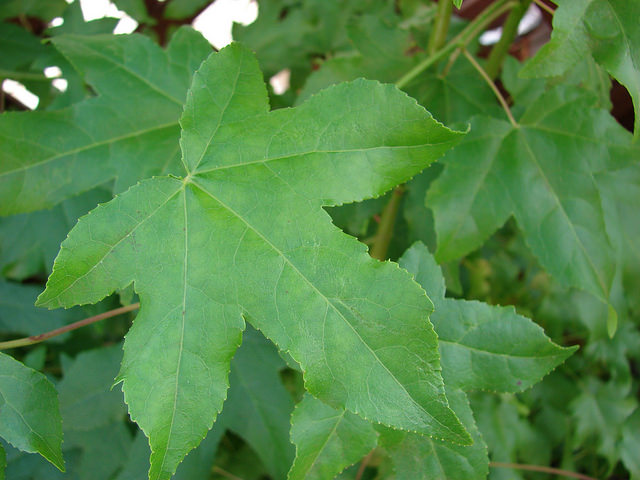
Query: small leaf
(631,445)
(29,414)
(244,234)
(416,457)
(483,347)
(327,440)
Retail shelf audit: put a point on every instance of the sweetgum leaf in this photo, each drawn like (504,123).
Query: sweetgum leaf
(29,414)
(128,132)
(607,29)
(542,172)
(243,233)
(258,407)
(416,457)
(327,440)
(483,347)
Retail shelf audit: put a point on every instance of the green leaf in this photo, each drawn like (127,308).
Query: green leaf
(19,316)
(327,440)
(605,28)
(33,8)
(258,407)
(74,23)
(416,457)
(19,50)
(244,234)
(499,168)
(457,3)
(30,242)
(29,415)
(599,413)
(128,132)
(631,445)
(3,462)
(483,347)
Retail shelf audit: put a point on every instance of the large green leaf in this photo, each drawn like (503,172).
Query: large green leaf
(608,29)
(483,347)
(631,445)
(258,407)
(243,234)
(29,414)
(128,132)
(416,457)
(543,172)
(327,440)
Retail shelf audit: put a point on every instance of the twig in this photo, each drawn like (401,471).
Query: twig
(23,342)
(492,85)
(547,8)
(540,468)
(224,473)
(385,227)
(363,465)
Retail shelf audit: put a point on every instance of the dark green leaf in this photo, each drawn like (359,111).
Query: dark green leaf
(29,413)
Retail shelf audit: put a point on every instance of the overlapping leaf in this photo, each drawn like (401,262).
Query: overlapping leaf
(29,414)
(483,347)
(608,29)
(128,132)
(327,440)
(244,234)
(543,172)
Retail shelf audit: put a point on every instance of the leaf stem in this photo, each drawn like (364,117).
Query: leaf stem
(224,473)
(23,342)
(462,39)
(547,8)
(540,468)
(387,222)
(365,461)
(492,85)
(509,33)
(440,27)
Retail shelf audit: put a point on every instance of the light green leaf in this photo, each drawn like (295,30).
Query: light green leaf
(244,234)
(457,3)
(416,457)
(258,407)
(327,440)
(483,347)
(74,23)
(29,415)
(608,29)
(499,169)
(128,132)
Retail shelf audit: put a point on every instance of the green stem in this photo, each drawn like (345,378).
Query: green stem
(440,27)
(539,468)
(462,39)
(23,342)
(24,76)
(387,222)
(509,33)
(492,85)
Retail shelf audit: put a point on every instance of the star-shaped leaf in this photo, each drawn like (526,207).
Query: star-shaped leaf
(128,132)
(243,234)
(543,171)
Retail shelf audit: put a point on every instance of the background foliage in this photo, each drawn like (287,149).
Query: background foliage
(524,234)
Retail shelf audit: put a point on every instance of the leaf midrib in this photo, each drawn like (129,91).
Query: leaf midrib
(326,299)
